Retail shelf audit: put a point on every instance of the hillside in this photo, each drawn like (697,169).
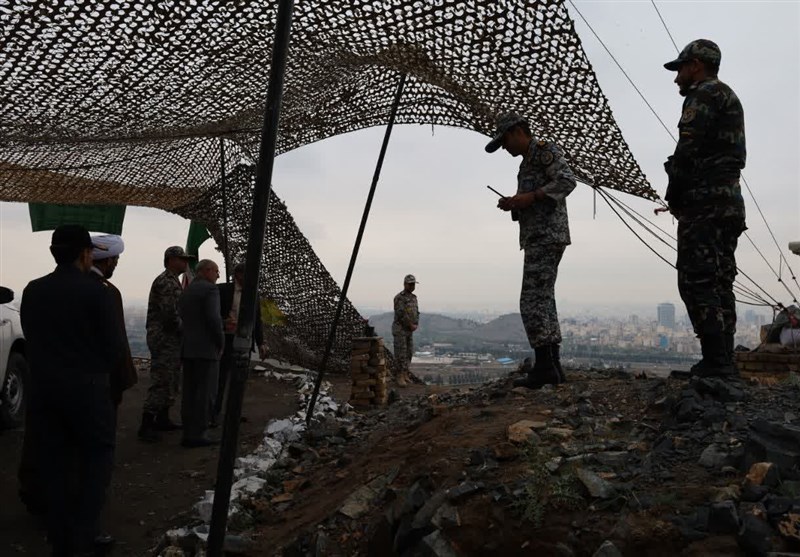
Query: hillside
(440,328)
(607,464)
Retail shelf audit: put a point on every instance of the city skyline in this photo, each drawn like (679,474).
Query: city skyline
(433,217)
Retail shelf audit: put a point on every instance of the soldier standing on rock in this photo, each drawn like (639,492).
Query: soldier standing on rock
(406,321)
(543,183)
(704,194)
(164,341)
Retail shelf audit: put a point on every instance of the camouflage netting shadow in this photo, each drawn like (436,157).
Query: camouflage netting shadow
(127,102)
(292,277)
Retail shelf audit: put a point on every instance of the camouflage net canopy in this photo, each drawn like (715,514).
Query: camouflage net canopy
(129,101)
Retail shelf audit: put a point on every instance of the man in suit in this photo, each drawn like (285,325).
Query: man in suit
(105,256)
(201,348)
(230,294)
(73,344)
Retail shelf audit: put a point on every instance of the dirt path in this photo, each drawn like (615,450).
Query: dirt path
(153,487)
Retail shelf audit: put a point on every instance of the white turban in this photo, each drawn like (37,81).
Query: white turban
(107,245)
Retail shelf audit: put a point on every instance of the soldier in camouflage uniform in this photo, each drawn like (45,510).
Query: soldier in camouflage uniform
(704,194)
(543,183)
(164,341)
(406,321)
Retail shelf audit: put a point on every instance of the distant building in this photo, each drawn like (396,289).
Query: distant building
(666,315)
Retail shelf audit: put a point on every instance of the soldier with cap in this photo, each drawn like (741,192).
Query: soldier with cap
(543,183)
(406,321)
(705,196)
(164,341)
(73,344)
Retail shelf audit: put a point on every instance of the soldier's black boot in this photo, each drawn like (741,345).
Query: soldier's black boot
(164,423)
(716,358)
(543,372)
(147,431)
(526,368)
(555,350)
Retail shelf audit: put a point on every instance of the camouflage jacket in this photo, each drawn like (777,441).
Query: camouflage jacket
(162,306)
(545,221)
(704,170)
(406,312)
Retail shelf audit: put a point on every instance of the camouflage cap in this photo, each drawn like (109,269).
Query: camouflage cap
(505,122)
(410,279)
(177,251)
(701,49)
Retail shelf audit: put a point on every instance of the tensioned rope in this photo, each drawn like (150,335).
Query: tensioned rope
(745,292)
(781,256)
(628,209)
(663,124)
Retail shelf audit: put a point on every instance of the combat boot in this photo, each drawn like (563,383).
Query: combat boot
(147,431)
(555,350)
(164,423)
(543,372)
(716,360)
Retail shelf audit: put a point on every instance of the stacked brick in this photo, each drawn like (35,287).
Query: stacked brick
(368,370)
(778,365)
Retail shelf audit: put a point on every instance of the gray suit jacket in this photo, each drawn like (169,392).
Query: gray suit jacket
(198,307)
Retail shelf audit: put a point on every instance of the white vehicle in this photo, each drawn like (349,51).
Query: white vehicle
(13,366)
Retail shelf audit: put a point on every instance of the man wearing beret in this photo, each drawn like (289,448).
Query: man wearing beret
(164,332)
(705,196)
(73,344)
(543,183)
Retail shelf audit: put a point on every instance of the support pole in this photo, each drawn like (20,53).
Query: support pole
(247,308)
(356,247)
(224,183)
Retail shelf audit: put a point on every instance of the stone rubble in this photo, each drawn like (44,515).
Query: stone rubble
(703,459)
(251,472)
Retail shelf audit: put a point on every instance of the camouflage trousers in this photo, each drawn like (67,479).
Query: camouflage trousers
(403,351)
(537,302)
(706,271)
(165,377)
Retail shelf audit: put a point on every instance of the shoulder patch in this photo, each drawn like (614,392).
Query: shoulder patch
(688,115)
(546,158)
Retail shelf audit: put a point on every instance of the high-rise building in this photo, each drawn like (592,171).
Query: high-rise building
(666,315)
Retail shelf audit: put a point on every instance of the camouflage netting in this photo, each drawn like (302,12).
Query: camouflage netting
(127,101)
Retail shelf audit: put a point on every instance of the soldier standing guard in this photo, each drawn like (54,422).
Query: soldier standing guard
(704,194)
(406,321)
(164,341)
(543,183)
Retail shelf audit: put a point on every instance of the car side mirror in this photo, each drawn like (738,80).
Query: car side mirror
(6,295)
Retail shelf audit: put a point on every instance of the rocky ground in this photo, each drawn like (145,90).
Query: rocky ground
(606,464)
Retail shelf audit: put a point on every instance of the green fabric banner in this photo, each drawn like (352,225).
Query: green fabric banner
(96,218)
(198,233)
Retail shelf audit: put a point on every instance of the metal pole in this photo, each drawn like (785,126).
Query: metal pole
(346,285)
(225,252)
(247,307)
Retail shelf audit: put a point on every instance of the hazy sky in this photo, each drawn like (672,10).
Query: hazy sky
(433,216)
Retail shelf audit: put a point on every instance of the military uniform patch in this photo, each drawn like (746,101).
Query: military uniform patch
(546,158)
(688,115)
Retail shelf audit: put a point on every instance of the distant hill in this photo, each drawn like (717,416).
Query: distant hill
(440,328)
(506,328)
